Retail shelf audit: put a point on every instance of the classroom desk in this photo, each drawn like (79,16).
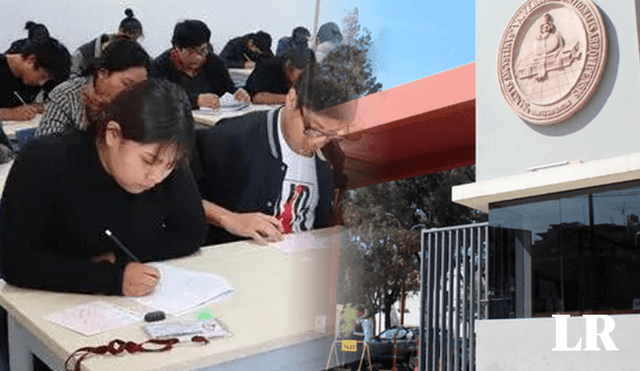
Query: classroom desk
(10,127)
(212,117)
(276,314)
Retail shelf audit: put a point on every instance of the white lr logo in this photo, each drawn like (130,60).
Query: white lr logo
(591,330)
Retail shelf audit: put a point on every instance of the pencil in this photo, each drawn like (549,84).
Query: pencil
(122,247)
(19,97)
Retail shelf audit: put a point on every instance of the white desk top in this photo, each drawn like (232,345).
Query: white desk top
(10,127)
(276,301)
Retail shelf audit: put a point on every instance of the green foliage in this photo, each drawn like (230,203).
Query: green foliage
(349,64)
(385,221)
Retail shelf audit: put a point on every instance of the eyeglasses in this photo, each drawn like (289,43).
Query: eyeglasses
(312,132)
(203,50)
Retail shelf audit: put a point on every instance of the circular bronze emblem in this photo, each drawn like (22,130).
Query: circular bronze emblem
(551,58)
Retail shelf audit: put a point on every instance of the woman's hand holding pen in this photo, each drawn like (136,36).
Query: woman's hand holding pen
(139,279)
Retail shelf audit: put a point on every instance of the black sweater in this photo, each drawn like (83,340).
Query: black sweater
(213,77)
(57,203)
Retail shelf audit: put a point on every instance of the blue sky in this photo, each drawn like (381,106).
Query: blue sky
(413,39)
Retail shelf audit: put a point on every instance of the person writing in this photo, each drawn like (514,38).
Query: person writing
(192,64)
(265,173)
(26,68)
(272,78)
(245,51)
(125,174)
(123,64)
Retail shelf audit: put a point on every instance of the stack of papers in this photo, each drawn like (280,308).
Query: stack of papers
(227,104)
(181,290)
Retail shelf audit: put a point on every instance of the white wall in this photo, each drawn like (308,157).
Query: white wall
(75,22)
(607,127)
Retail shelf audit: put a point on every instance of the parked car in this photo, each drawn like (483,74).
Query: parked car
(381,346)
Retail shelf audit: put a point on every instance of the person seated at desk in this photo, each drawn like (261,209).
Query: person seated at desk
(299,37)
(245,51)
(272,78)
(126,174)
(27,66)
(130,28)
(123,64)
(264,173)
(191,64)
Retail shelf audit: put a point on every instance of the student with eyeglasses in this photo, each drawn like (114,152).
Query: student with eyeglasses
(192,64)
(265,173)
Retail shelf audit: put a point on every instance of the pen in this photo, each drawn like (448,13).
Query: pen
(246,56)
(19,97)
(120,245)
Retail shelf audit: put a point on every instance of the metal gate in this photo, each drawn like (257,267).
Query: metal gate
(467,273)
(454,293)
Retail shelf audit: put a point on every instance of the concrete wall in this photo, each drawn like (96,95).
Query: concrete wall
(526,345)
(606,127)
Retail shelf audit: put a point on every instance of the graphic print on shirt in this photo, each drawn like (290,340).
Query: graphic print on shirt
(294,208)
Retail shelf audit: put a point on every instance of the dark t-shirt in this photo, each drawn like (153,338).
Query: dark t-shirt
(268,76)
(58,202)
(9,84)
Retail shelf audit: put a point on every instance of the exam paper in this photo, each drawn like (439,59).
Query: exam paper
(181,290)
(227,104)
(296,242)
(93,318)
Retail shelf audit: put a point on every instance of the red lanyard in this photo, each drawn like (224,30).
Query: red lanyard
(118,346)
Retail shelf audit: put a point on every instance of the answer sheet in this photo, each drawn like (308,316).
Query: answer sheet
(181,290)
(93,318)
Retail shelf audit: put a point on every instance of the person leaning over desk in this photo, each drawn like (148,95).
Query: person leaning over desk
(192,64)
(122,64)
(266,173)
(26,68)
(126,174)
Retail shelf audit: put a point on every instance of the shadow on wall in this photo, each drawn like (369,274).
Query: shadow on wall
(584,116)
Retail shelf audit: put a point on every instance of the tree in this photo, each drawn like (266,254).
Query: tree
(384,221)
(349,63)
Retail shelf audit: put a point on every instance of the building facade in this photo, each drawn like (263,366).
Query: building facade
(558,164)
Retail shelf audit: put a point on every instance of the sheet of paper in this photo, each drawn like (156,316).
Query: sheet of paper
(93,318)
(296,242)
(181,290)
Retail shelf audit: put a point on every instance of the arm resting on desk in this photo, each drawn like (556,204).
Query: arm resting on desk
(260,227)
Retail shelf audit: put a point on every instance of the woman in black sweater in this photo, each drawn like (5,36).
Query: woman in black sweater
(126,175)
